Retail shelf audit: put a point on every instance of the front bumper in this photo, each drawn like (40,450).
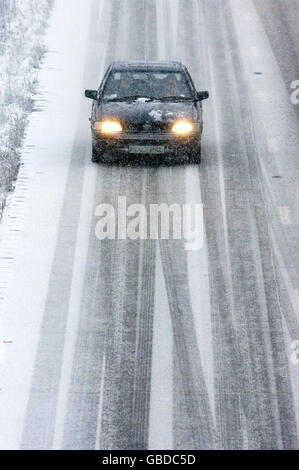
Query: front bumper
(151,143)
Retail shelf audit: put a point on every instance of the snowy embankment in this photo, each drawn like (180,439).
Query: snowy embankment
(22,26)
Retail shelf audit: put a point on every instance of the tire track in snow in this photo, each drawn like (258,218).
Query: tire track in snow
(129,337)
(193,423)
(38,430)
(190,394)
(251,326)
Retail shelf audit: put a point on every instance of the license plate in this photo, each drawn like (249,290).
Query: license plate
(146,148)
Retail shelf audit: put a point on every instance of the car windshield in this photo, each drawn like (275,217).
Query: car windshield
(128,85)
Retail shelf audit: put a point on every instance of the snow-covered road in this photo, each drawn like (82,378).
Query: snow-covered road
(136,344)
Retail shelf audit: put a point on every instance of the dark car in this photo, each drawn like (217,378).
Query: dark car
(147,108)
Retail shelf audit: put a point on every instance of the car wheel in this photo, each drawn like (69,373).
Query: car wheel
(195,156)
(96,155)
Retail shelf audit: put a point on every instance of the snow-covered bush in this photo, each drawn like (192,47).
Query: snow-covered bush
(22,25)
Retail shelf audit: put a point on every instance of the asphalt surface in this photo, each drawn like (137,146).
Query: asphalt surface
(147,362)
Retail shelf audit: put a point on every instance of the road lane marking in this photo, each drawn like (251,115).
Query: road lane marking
(79,268)
(255,51)
(161,394)
(297,299)
(272,145)
(262,96)
(161,43)
(74,308)
(2,353)
(199,288)
(101,401)
(285,215)
(173,9)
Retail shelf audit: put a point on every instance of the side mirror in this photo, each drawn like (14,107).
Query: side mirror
(202,95)
(92,94)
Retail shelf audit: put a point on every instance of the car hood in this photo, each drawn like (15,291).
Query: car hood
(147,112)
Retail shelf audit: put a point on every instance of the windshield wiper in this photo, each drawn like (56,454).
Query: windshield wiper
(175,98)
(132,98)
(150,98)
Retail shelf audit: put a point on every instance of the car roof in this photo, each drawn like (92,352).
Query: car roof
(147,66)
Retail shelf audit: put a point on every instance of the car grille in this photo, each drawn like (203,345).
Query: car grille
(149,128)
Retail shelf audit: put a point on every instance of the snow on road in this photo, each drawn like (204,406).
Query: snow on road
(29,229)
(125,344)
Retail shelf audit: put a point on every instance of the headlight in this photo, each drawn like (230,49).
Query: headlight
(182,127)
(108,127)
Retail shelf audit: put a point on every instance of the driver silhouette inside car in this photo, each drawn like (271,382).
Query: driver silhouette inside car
(170,86)
(127,86)
(130,86)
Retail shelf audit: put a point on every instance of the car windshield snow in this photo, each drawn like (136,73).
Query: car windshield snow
(130,85)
